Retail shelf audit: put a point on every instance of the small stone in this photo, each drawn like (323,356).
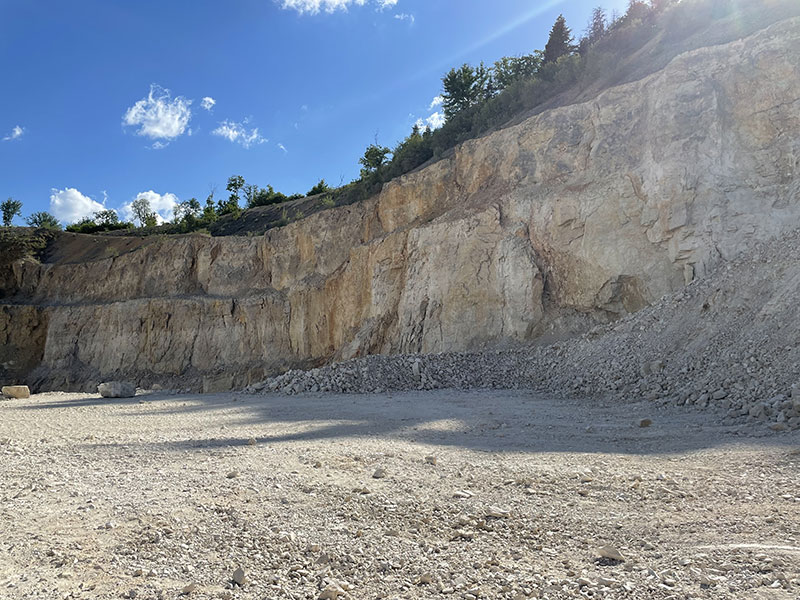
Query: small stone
(188,589)
(779,427)
(463,494)
(645,423)
(117,389)
(16,391)
(331,592)
(431,460)
(425,579)
(379,473)
(232,475)
(610,552)
(496,512)
(251,441)
(239,577)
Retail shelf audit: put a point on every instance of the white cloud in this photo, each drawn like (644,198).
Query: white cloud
(159,116)
(162,204)
(437,101)
(282,147)
(208,103)
(433,121)
(16,133)
(315,6)
(238,133)
(405,17)
(69,205)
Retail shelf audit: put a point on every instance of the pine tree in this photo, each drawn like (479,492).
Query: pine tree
(597,26)
(560,42)
(463,87)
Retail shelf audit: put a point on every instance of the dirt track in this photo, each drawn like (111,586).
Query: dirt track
(144,497)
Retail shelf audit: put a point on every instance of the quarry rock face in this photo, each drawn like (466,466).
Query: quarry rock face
(574,216)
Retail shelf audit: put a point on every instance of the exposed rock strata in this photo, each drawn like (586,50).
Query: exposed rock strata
(594,209)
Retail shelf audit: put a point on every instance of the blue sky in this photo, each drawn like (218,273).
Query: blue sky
(103,100)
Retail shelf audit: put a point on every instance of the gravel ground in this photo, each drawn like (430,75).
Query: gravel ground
(427,494)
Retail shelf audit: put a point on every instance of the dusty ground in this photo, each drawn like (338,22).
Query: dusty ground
(144,497)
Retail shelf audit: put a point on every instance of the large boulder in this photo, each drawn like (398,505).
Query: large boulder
(117,389)
(16,391)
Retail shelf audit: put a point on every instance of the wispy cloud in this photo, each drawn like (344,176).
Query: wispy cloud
(208,103)
(405,17)
(159,116)
(437,101)
(282,147)
(315,6)
(238,133)
(69,205)
(15,134)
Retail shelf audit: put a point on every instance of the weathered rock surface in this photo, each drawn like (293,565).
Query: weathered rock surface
(16,391)
(573,217)
(117,389)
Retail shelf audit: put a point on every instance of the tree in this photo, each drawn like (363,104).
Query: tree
(484,83)
(637,11)
(509,69)
(265,197)
(595,30)
(374,158)
(43,220)
(560,42)
(10,208)
(107,217)
(186,210)
(463,87)
(410,153)
(231,205)
(320,188)
(210,211)
(250,192)
(143,213)
(85,225)
(235,184)
(597,25)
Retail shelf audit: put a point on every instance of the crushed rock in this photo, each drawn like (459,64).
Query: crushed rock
(726,343)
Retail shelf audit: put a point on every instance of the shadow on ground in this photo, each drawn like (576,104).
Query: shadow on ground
(489,420)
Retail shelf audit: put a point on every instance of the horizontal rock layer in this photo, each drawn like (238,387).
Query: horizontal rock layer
(577,215)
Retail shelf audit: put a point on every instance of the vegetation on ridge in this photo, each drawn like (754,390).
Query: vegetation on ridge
(476,100)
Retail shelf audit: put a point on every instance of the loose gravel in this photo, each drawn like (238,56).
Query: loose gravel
(433,494)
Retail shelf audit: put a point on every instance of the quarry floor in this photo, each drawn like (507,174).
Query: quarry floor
(165,496)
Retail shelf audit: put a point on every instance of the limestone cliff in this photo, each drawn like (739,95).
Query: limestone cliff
(580,213)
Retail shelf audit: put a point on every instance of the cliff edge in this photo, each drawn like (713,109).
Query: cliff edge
(574,217)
